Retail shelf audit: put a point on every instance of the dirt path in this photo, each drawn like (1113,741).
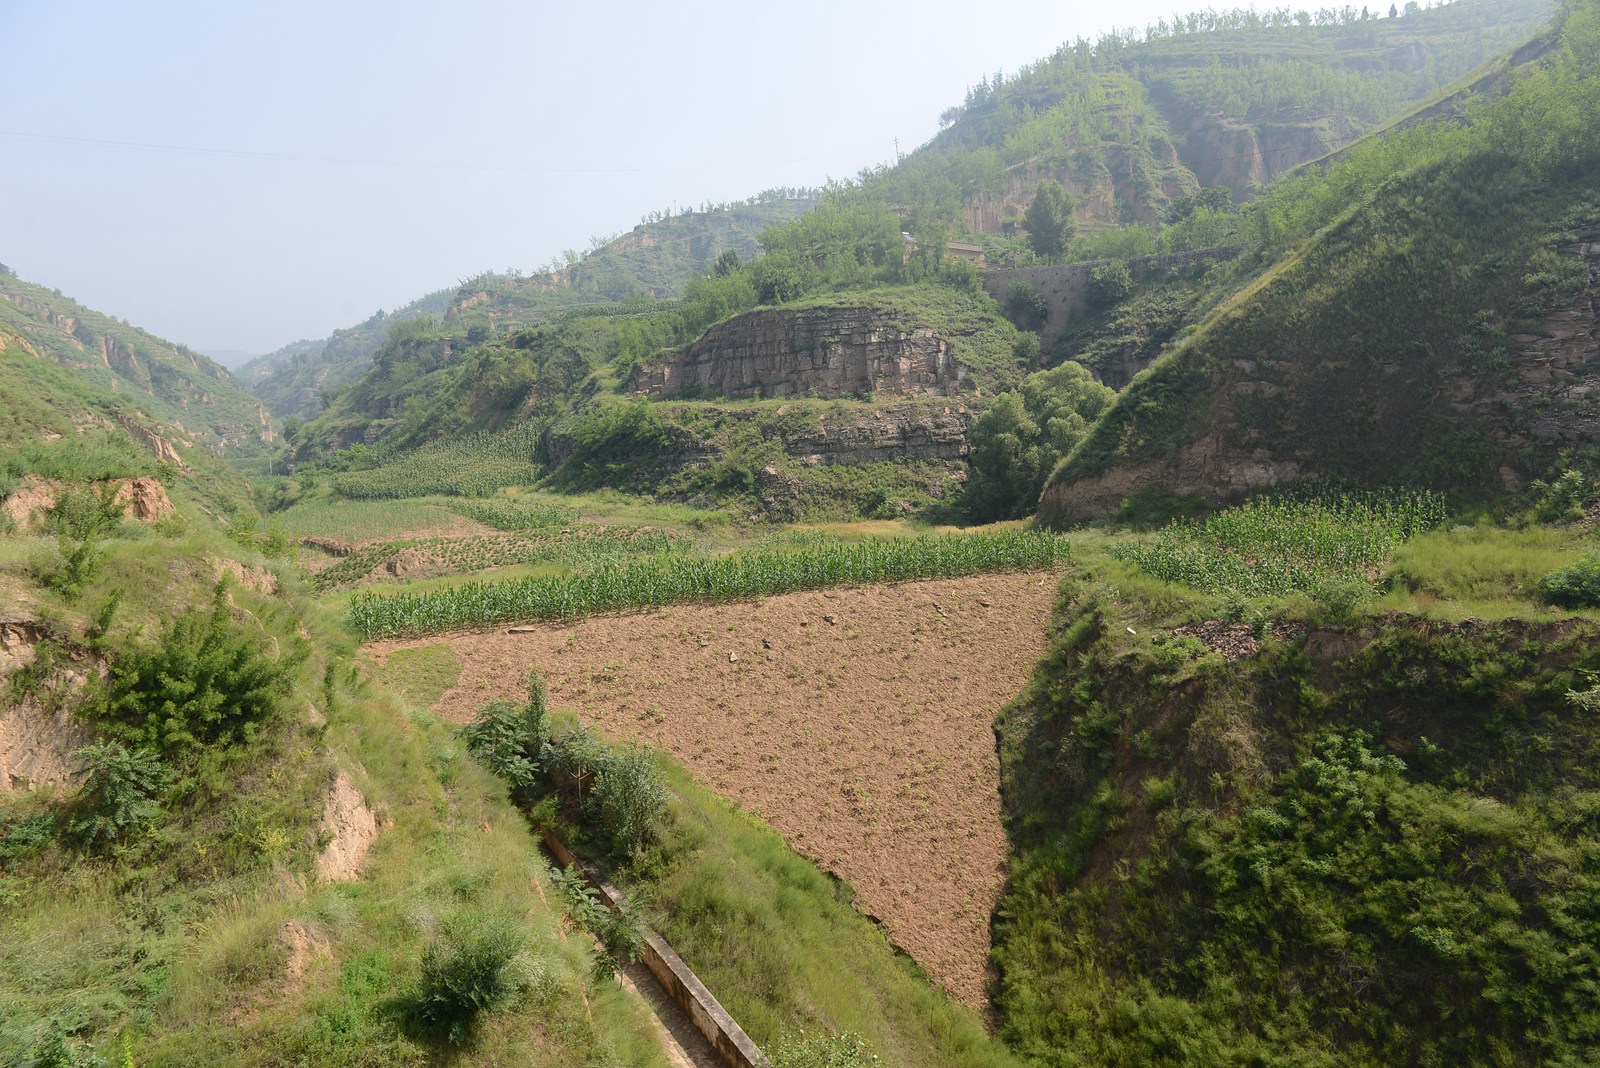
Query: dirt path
(857,722)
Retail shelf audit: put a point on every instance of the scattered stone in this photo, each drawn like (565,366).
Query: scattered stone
(985,602)
(766,643)
(828,619)
(733,658)
(1234,641)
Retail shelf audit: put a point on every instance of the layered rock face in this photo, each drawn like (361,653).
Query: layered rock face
(902,431)
(827,353)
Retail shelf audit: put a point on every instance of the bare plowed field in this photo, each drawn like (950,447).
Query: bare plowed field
(857,722)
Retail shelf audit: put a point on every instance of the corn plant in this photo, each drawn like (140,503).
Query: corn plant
(1294,541)
(678,578)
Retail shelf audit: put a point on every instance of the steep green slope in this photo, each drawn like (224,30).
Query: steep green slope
(1131,122)
(1430,318)
(1302,839)
(653,261)
(295,381)
(150,378)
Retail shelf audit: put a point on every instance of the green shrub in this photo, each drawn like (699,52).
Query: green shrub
(1561,501)
(206,681)
(1577,586)
(1109,284)
(469,970)
(619,931)
(59,1049)
(81,518)
(628,800)
(1026,306)
(1021,437)
(510,740)
(119,792)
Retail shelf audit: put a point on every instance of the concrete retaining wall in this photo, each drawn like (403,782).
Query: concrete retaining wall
(723,1032)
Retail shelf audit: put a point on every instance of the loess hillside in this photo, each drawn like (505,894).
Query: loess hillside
(654,261)
(1429,320)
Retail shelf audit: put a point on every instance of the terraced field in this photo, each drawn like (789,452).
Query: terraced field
(858,722)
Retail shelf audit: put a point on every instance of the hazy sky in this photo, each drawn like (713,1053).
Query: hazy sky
(241,174)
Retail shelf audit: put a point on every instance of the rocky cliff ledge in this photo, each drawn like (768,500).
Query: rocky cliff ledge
(814,352)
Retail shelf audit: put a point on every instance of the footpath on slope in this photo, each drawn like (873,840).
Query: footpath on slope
(857,722)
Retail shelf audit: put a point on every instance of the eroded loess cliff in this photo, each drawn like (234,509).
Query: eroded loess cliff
(827,353)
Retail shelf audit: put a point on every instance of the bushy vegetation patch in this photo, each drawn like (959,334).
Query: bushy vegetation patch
(1369,848)
(1279,544)
(1021,437)
(678,579)
(471,969)
(206,682)
(1574,586)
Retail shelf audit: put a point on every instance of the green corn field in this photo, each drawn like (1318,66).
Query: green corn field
(676,578)
(1275,545)
(473,466)
(578,548)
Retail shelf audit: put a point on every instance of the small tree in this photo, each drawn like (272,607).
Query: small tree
(1109,284)
(510,741)
(1049,220)
(81,519)
(118,794)
(1026,305)
(628,799)
(1020,438)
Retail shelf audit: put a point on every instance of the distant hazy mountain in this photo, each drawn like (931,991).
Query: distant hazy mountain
(232,359)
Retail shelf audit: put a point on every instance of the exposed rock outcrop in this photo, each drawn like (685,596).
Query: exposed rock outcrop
(817,352)
(151,440)
(143,499)
(38,731)
(895,432)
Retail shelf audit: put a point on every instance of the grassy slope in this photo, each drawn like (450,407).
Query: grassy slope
(1130,123)
(170,945)
(1211,867)
(1373,349)
(168,382)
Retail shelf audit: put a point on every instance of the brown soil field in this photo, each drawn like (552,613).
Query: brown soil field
(857,722)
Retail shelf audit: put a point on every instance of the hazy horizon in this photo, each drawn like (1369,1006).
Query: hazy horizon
(239,179)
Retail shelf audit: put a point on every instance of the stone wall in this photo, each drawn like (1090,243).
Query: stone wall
(1065,286)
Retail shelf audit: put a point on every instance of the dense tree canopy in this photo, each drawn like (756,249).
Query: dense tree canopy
(1021,437)
(1049,220)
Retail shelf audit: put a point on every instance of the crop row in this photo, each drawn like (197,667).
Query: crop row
(664,579)
(515,515)
(473,466)
(1272,546)
(577,549)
